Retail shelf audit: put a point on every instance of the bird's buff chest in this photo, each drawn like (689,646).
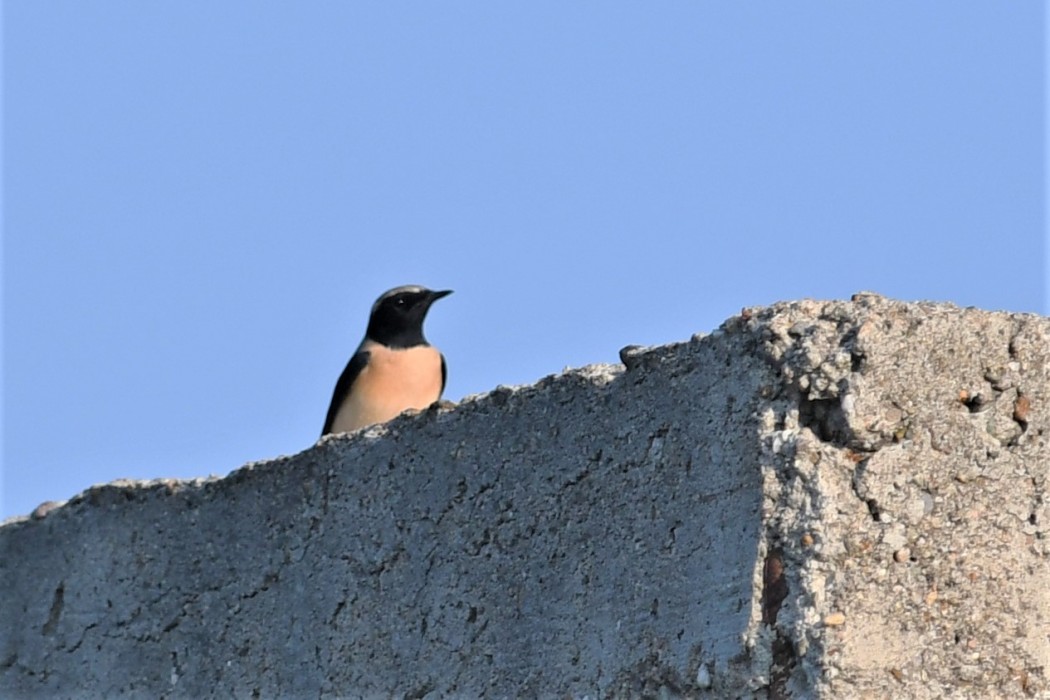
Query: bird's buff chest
(392,382)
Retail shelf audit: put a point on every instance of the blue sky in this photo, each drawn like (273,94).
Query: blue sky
(201,200)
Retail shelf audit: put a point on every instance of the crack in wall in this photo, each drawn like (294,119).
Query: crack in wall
(57,603)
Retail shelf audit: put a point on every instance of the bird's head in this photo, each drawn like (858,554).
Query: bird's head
(398,314)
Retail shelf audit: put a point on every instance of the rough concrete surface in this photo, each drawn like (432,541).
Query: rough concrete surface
(820,499)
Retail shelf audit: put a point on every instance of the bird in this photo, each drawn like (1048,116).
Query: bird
(394,368)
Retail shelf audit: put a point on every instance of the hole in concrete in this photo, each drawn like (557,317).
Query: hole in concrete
(774,592)
(873,508)
(774,586)
(783,662)
(825,418)
(856,362)
(975,403)
(849,343)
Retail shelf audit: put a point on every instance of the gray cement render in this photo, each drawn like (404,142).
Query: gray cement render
(820,499)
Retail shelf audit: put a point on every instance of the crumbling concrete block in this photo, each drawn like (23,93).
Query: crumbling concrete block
(820,499)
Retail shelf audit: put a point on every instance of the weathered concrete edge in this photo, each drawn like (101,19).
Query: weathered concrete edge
(631,356)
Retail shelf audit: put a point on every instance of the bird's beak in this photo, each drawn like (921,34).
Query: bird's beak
(434,296)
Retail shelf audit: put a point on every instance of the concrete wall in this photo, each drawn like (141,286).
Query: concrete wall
(821,499)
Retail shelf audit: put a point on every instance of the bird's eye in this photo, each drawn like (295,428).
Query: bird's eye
(400,301)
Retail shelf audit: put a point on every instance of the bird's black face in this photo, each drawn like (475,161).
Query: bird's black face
(397,316)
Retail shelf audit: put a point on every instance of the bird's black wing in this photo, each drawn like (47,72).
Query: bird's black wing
(444,376)
(342,387)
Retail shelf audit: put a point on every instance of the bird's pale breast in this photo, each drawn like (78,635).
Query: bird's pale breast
(393,381)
